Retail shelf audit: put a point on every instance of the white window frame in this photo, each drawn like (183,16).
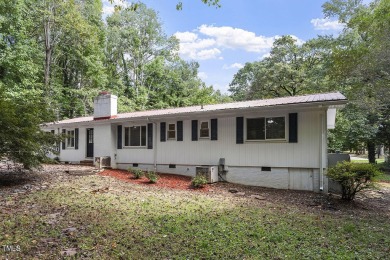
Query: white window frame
(265,129)
(129,136)
(174,131)
(208,128)
(70,135)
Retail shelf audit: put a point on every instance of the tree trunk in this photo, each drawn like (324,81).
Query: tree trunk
(371,151)
(48,51)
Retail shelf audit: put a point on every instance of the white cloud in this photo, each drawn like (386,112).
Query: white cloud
(108,8)
(193,47)
(235,38)
(208,54)
(202,75)
(233,66)
(186,36)
(325,24)
(208,42)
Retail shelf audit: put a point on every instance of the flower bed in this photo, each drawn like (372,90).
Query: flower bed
(165,180)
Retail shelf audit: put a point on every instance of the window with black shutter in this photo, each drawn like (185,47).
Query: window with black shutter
(76,138)
(204,131)
(119,137)
(293,127)
(162,131)
(135,136)
(171,131)
(214,129)
(194,130)
(239,130)
(179,130)
(150,136)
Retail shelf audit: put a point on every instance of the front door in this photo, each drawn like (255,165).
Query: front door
(90,142)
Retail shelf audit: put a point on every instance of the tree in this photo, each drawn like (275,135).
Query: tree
(179,5)
(362,63)
(134,40)
(22,104)
(290,70)
(144,68)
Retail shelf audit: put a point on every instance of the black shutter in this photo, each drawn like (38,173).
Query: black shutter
(214,129)
(119,137)
(150,136)
(63,142)
(76,138)
(239,130)
(194,127)
(293,127)
(163,134)
(179,130)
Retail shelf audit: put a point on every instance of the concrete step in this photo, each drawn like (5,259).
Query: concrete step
(87,162)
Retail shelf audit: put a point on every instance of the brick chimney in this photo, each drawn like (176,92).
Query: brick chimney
(105,106)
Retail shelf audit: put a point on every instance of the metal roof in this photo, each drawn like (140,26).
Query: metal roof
(292,100)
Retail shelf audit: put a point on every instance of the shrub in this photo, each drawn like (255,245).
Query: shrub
(137,173)
(152,176)
(199,181)
(353,177)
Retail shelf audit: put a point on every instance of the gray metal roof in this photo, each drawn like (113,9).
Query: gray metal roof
(329,98)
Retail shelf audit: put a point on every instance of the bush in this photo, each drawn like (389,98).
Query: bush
(353,177)
(199,181)
(137,173)
(152,176)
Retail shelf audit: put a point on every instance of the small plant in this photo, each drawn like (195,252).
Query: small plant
(152,176)
(353,177)
(130,170)
(199,181)
(137,173)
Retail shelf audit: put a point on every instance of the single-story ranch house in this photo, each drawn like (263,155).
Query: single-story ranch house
(278,143)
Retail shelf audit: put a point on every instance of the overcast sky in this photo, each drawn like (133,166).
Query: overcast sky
(223,39)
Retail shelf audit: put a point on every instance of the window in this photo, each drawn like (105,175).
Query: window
(255,128)
(135,136)
(275,128)
(265,128)
(204,129)
(171,131)
(70,138)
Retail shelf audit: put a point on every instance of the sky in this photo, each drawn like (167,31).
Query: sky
(223,39)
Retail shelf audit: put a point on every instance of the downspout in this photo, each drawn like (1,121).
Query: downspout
(321,152)
(155,147)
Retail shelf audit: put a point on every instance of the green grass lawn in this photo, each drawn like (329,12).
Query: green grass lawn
(378,161)
(134,222)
